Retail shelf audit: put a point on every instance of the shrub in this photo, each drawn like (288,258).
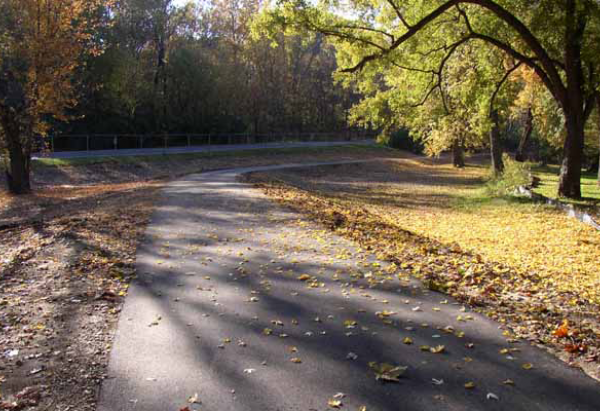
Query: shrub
(515,174)
(402,140)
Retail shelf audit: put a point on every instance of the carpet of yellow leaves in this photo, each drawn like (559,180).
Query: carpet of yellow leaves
(526,265)
(529,238)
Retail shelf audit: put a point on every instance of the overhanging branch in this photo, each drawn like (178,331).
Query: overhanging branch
(546,69)
(501,83)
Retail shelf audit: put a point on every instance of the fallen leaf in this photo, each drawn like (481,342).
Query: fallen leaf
(438,349)
(563,330)
(387,372)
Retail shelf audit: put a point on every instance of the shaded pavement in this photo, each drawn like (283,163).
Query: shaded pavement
(251,307)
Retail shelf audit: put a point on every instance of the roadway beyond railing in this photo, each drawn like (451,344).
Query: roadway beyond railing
(73,146)
(95,142)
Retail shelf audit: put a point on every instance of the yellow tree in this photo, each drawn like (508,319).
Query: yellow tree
(42,45)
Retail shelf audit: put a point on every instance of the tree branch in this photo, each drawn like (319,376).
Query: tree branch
(452,48)
(530,61)
(399,13)
(546,69)
(412,31)
(501,83)
(351,27)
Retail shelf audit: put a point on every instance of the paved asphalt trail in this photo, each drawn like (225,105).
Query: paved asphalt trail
(220,263)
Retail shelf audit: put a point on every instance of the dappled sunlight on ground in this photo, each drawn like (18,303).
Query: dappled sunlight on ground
(533,264)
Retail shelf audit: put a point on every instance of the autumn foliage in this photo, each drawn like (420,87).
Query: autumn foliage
(43,43)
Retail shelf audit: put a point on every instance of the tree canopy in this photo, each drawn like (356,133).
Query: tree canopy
(411,46)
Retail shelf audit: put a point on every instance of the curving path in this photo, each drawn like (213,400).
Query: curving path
(221,263)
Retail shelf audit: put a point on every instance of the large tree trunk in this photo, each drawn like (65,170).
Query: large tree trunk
(570,170)
(19,153)
(495,145)
(458,154)
(598,113)
(573,104)
(18,170)
(520,156)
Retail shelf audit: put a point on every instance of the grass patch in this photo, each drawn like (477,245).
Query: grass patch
(549,176)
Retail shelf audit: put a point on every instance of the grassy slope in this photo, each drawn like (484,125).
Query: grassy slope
(590,190)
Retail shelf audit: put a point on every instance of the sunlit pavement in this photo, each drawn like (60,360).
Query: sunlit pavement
(243,305)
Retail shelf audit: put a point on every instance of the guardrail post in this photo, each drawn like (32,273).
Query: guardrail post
(115,143)
(87,142)
(189,141)
(209,145)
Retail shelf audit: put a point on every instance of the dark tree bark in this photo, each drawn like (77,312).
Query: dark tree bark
(573,105)
(19,156)
(495,144)
(598,112)
(520,156)
(458,154)
(570,170)
(17,144)
(17,174)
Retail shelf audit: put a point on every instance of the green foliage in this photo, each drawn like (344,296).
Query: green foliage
(515,174)
(402,140)
(441,67)
(199,68)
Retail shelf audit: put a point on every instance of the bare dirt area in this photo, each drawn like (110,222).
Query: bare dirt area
(67,257)
(530,267)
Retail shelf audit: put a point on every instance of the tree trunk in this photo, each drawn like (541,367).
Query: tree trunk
(573,104)
(598,113)
(525,137)
(570,170)
(599,146)
(495,145)
(17,172)
(458,154)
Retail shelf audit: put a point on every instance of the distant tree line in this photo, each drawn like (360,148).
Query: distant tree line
(198,69)
(155,67)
